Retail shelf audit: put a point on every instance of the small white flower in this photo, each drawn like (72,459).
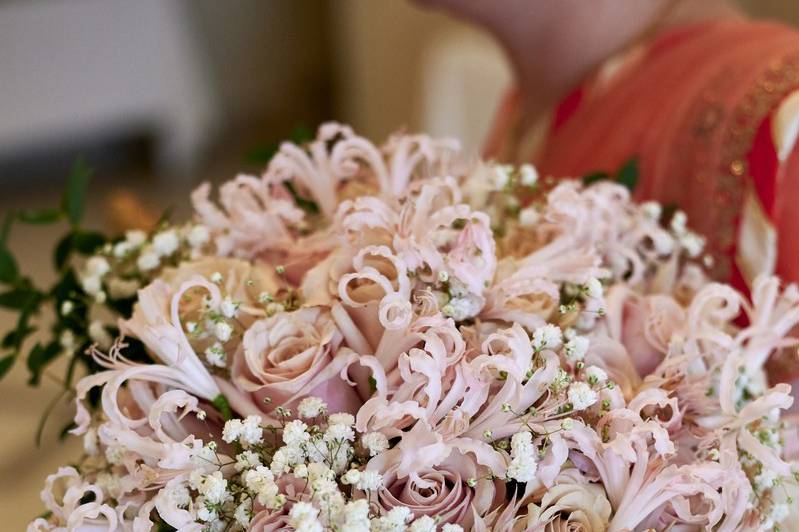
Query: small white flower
(295,433)
(205,513)
(663,242)
(247,460)
(528,175)
(232,430)
(135,237)
(693,244)
(369,481)
(765,479)
(166,243)
(287,457)
(501,175)
(91,284)
(311,407)
(97,266)
(547,337)
(424,523)
(779,511)
(302,518)
(243,513)
(528,217)
(352,476)
(461,308)
(223,331)
(216,356)
(393,521)
(341,418)
(216,277)
(199,235)
(115,454)
(443,276)
(678,222)
(213,487)
(257,478)
(67,307)
(523,463)
(576,348)
(374,442)
(99,335)
(339,432)
(148,260)
(594,288)
(67,340)
(122,249)
(251,432)
(581,396)
(91,444)
(651,210)
(596,375)
(229,308)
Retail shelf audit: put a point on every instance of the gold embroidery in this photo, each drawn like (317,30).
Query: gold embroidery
(716,152)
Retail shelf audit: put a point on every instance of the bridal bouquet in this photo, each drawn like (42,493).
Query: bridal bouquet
(391,339)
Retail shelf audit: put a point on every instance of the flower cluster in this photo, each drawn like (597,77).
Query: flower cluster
(388,339)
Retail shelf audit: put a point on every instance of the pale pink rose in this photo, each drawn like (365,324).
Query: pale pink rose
(292,355)
(442,491)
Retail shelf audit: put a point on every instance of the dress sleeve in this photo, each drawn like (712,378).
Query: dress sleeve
(768,237)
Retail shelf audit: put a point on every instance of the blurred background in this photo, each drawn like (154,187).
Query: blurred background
(159,95)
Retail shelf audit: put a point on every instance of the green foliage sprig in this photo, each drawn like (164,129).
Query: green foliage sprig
(22,296)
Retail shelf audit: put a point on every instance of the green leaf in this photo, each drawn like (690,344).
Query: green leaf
(39,357)
(628,174)
(62,252)
(74,199)
(263,154)
(9,272)
(303,203)
(595,177)
(5,230)
(221,404)
(20,298)
(87,242)
(301,133)
(17,336)
(6,363)
(40,216)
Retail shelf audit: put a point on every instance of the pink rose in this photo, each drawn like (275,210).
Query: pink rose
(292,355)
(443,491)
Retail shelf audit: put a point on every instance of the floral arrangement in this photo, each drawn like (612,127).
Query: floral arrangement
(391,338)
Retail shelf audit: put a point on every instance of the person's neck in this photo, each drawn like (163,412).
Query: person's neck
(550,62)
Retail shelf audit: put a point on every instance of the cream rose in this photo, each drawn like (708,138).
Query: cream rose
(573,503)
(292,355)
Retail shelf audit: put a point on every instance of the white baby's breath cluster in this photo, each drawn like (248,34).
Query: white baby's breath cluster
(328,456)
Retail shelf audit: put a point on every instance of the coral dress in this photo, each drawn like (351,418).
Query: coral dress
(711,112)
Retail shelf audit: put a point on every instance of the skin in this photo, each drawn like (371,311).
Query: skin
(553,45)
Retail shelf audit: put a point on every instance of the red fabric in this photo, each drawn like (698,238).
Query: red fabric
(764,166)
(567,108)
